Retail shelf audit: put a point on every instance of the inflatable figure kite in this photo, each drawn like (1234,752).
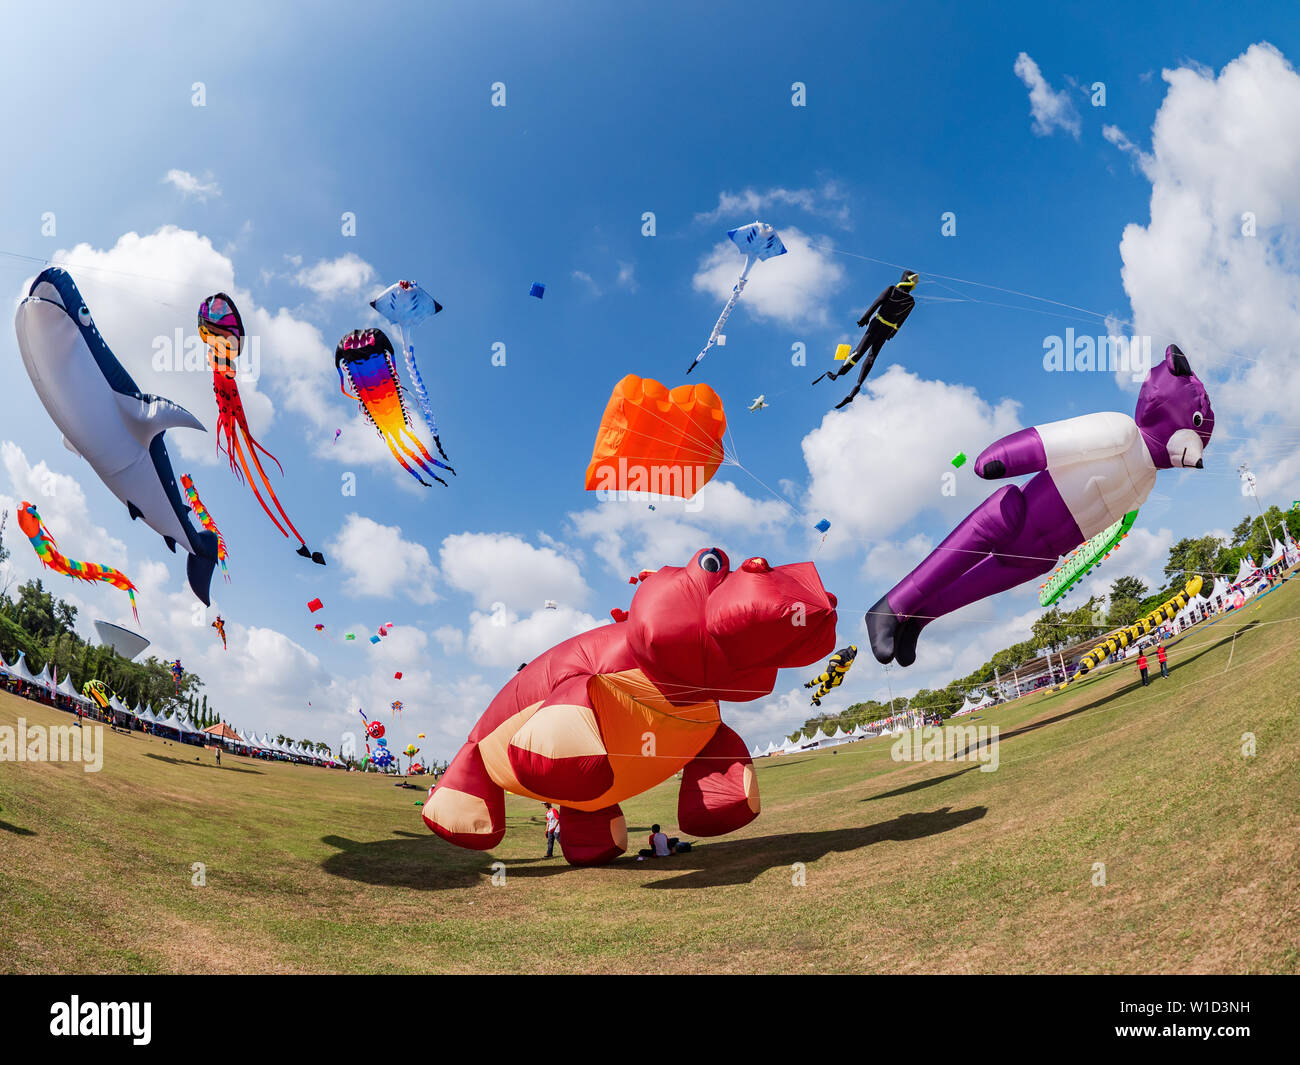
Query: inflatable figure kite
(222,331)
(106,419)
(29,520)
(178,671)
(833,677)
(758,241)
(220,626)
(406,305)
(654,440)
(1089,473)
(205,519)
(98,691)
(364,358)
(571,727)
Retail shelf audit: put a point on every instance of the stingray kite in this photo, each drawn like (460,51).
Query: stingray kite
(220,626)
(29,520)
(222,331)
(406,305)
(758,241)
(364,358)
(205,519)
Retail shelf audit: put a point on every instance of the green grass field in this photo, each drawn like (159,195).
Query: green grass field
(924,867)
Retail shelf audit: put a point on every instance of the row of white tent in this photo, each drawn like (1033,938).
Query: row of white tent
(179,722)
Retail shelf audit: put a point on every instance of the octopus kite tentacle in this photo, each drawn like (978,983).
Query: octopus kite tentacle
(206,520)
(364,359)
(222,331)
(29,520)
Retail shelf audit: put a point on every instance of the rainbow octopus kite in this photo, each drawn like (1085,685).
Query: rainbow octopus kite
(220,626)
(365,358)
(205,519)
(222,331)
(29,520)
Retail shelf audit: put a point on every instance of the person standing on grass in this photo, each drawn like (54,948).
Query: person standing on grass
(1162,658)
(552,828)
(1142,667)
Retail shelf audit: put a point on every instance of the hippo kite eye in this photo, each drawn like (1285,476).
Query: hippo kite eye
(83,315)
(711,561)
(1197,419)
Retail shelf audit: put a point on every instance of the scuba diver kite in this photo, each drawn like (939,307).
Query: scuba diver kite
(406,305)
(222,330)
(364,358)
(1089,472)
(883,320)
(205,519)
(836,669)
(220,626)
(29,520)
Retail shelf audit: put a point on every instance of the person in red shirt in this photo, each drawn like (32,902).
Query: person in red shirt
(552,828)
(1162,658)
(1142,667)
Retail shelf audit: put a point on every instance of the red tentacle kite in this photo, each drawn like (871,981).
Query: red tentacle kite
(222,331)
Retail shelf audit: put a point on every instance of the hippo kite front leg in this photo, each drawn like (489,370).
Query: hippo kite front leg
(719,791)
(592,837)
(467,808)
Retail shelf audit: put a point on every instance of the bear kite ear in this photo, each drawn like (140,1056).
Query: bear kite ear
(1177,361)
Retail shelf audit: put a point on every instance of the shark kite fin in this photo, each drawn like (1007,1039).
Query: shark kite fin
(147,416)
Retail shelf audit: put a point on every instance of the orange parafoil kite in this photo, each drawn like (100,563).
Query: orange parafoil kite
(655,440)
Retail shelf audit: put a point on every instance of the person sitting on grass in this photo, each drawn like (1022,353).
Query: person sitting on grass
(661,846)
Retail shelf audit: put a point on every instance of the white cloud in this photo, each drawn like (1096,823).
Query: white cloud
(1224,156)
(793,288)
(628,536)
(506,638)
(330,279)
(501,568)
(379,562)
(1120,140)
(828,201)
(879,429)
(1049,108)
(191,187)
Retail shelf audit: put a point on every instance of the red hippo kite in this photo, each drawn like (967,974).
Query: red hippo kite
(612,712)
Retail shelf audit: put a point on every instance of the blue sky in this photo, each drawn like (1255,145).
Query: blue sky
(912,111)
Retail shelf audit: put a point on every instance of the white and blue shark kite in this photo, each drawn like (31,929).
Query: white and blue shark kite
(106,419)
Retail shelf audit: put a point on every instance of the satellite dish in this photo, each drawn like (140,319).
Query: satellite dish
(125,642)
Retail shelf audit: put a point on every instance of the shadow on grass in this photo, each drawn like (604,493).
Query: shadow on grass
(919,785)
(203,765)
(427,863)
(17,830)
(741,861)
(413,860)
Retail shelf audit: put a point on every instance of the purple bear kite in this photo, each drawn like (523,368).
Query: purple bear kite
(1089,472)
